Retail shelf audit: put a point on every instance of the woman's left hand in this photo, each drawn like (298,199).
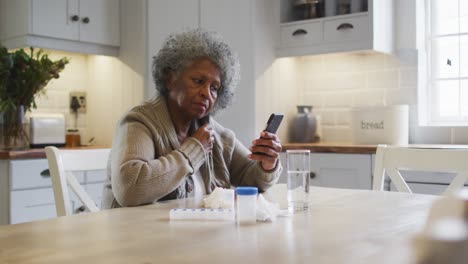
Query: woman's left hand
(266,149)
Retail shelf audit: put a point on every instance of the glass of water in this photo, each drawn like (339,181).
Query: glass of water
(298,169)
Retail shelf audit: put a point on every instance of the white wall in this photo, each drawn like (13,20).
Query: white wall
(73,78)
(112,88)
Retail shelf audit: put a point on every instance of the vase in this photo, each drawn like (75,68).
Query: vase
(304,125)
(13,129)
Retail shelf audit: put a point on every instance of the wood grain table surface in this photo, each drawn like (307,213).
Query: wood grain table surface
(341,226)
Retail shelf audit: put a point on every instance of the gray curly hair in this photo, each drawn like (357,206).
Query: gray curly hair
(180,49)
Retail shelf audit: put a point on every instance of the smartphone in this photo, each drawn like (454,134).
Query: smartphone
(273,123)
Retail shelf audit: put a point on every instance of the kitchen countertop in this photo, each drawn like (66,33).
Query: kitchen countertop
(34,153)
(332,147)
(348,148)
(322,147)
(319,147)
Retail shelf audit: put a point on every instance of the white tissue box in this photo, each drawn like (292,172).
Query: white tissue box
(380,125)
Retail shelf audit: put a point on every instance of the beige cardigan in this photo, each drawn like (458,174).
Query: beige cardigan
(147,163)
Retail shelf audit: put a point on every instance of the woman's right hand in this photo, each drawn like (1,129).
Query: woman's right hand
(205,134)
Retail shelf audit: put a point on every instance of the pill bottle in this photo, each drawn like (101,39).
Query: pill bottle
(246,205)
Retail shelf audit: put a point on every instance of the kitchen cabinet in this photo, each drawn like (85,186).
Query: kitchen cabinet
(368,28)
(26,190)
(349,171)
(87,26)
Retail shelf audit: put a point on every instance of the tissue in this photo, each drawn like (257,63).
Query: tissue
(220,198)
(266,211)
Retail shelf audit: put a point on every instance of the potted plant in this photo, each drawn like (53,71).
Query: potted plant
(23,76)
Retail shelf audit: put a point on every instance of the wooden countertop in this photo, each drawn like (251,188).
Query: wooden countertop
(320,147)
(34,153)
(331,147)
(348,148)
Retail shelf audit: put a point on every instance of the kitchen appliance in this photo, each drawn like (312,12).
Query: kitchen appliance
(47,129)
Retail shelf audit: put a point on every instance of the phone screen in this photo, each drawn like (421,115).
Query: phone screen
(273,123)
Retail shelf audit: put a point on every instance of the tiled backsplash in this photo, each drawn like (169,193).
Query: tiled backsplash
(334,83)
(111,87)
(73,78)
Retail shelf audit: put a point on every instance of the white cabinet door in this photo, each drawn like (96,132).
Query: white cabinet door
(233,20)
(32,205)
(27,174)
(85,26)
(350,171)
(99,22)
(165,17)
(53,18)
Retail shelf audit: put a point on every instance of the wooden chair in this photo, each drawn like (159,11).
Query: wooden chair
(391,159)
(62,164)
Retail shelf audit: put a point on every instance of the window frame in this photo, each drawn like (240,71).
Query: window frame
(428,105)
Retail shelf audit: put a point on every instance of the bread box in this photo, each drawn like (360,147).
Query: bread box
(380,125)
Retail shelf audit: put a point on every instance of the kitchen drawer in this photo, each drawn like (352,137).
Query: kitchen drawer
(29,174)
(32,173)
(32,205)
(347,29)
(301,34)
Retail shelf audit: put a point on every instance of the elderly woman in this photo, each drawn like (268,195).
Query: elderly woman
(169,147)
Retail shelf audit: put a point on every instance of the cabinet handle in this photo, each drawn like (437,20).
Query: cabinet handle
(299,32)
(312,175)
(45,173)
(75,18)
(86,20)
(80,209)
(345,26)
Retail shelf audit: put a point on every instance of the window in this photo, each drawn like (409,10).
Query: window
(446,91)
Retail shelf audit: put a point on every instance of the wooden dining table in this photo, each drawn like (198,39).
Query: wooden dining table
(340,226)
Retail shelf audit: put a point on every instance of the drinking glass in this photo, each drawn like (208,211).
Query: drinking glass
(298,169)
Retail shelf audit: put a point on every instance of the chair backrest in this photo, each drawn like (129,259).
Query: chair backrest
(62,164)
(391,159)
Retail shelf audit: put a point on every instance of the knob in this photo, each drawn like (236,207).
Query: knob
(85,20)
(75,18)
(312,175)
(80,209)
(45,173)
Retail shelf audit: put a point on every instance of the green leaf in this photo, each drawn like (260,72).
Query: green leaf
(23,76)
